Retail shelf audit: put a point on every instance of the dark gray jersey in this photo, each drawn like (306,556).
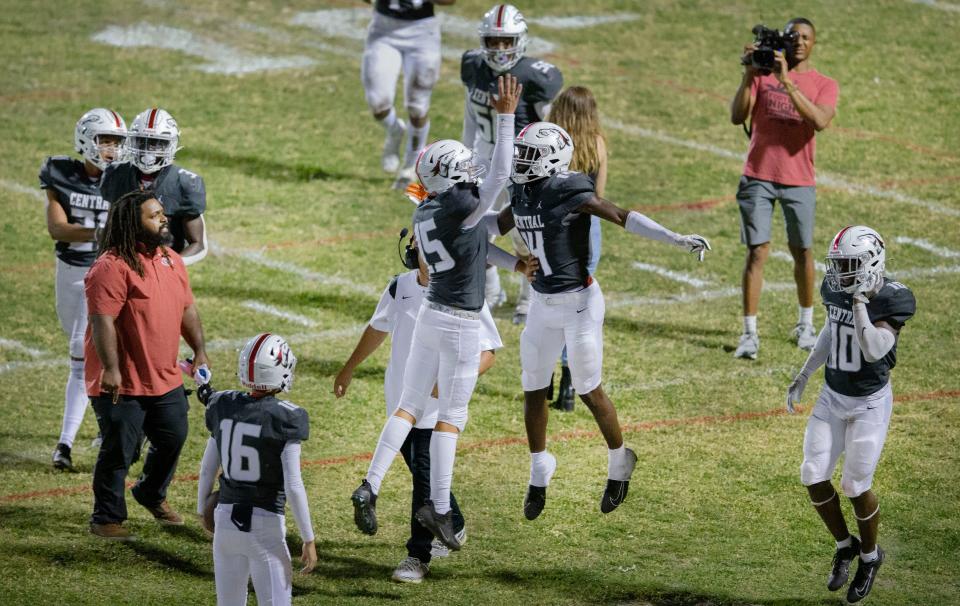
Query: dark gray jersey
(182,193)
(79,197)
(456,256)
(847,372)
(408,10)
(250,435)
(547,218)
(541,82)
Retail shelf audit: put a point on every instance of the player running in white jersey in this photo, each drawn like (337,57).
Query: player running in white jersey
(75,213)
(858,344)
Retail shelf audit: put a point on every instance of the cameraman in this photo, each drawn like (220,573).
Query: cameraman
(786,108)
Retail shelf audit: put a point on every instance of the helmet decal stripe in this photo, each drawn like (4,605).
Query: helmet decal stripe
(500,16)
(153,116)
(836,241)
(253,355)
(116,118)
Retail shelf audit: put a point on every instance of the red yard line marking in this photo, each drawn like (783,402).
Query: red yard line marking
(576,434)
(700,205)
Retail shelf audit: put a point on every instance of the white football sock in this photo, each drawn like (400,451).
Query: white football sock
(416,139)
(847,542)
(443,451)
(390,119)
(74,403)
(542,466)
(750,324)
(391,439)
(618,467)
(805,315)
(870,557)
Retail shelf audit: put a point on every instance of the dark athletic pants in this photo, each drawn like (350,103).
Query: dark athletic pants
(122,425)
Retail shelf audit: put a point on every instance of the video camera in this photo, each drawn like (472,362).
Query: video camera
(767,41)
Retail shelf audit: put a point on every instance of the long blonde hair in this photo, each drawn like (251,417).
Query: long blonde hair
(575,109)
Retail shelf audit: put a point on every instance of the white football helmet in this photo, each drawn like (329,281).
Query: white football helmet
(444,163)
(503,21)
(540,150)
(855,260)
(94,124)
(266,363)
(152,140)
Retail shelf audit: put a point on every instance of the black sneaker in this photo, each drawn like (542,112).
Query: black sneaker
(61,458)
(863,579)
(534,502)
(841,564)
(365,508)
(440,525)
(565,398)
(616,491)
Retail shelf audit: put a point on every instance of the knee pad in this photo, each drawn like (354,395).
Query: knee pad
(76,347)
(414,405)
(853,487)
(811,473)
(455,416)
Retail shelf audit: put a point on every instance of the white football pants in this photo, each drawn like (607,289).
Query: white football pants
(72,313)
(261,553)
(395,43)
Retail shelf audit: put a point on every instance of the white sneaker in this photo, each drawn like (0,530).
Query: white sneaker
(390,160)
(748,347)
(805,336)
(410,570)
(439,550)
(405,177)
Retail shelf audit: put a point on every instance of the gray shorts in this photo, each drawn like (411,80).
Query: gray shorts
(756,197)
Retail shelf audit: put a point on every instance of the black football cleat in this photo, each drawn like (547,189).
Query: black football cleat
(365,508)
(616,491)
(863,579)
(534,502)
(61,458)
(841,564)
(441,525)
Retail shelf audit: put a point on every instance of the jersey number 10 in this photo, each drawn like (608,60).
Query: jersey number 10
(240,462)
(844,350)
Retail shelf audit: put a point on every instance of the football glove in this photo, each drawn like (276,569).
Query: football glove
(694,244)
(795,391)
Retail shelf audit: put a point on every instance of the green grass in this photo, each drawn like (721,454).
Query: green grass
(716,514)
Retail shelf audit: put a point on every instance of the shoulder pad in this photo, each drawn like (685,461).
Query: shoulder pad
(469,64)
(393,286)
(57,167)
(896,303)
(289,421)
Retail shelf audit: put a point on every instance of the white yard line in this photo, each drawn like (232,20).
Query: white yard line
(18,346)
(823,178)
(307,274)
(15,187)
(928,246)
(221,58)
(944,6)
(785,256)
(676,276)
(280,313)
(581,21)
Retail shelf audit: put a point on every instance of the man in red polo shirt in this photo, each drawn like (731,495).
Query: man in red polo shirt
(140,304)
(786,109)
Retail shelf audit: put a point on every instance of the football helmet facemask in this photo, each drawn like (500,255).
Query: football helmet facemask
(540,150)
(503,21)
(855,260)
(153,140)
(100,132)
(266,363)
(445,163)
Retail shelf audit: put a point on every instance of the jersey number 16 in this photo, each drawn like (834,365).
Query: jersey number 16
(240,462)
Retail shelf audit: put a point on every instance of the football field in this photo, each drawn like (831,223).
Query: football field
(303,230)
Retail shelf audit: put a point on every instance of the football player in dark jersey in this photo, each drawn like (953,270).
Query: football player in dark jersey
(551,208)
(75,213)
(865,314)
(452,240)
(255,440)
(503,40)
(403,34)
(151,147)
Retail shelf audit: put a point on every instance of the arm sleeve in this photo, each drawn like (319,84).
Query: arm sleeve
(384,318)
(499,170)
(874,342)
(492,223)
(296,493)
(501,258)
(469,122)
(208,473)
(818,356)
(643,225)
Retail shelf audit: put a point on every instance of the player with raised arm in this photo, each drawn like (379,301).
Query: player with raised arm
(403,35)
(551,208)
(151,147)
(255,439)
(452,240)
(858,344)
(75,212)
(503,47)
